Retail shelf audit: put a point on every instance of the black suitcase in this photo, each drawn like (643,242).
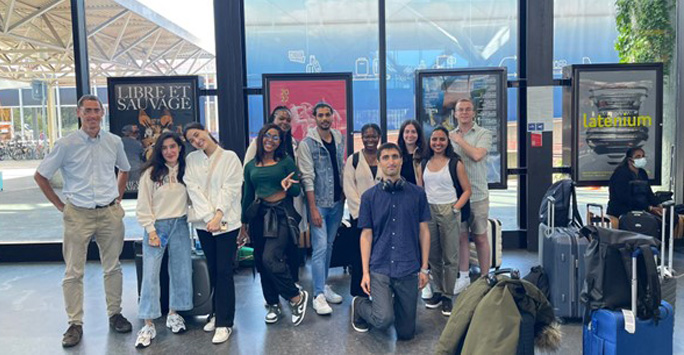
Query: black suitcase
(640,222)
(202,296)
(344,246)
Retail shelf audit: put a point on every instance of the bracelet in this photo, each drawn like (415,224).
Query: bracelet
(425,271)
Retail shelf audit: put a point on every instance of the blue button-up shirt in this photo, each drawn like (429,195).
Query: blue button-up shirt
(395,219)
(87,166)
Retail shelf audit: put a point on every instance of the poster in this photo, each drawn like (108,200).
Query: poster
(614,107)
(301,92)
(147,107)
(437,94)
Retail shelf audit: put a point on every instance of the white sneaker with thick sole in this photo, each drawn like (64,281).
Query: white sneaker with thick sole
(221,335)
(320,305)
(461,284)
(426,292)
(211,325)
(176,323)
(145,336)
(331,296)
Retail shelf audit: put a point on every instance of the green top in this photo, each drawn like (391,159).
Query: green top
(264,181)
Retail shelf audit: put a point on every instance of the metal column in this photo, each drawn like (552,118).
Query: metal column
(231,77)
(80,40)
(535,47)
(382,68)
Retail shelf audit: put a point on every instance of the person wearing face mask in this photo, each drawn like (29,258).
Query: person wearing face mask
(213,177)
(267,215)
(629,189)
(360,174)
(282,117)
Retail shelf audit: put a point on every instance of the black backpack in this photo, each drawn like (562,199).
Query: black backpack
(453,162)
(565,207)
(539,278)
(608,261)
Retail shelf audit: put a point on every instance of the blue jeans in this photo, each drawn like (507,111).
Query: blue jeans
(322,239)
(180,269)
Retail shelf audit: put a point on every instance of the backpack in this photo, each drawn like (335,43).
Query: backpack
(565,207)
(453,162)
(608,262)
(539,278)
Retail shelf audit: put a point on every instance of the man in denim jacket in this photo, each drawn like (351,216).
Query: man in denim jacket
(320,158)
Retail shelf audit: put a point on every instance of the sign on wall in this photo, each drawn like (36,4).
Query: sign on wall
(437,92)
(149,106)
(609,109)
(301,92)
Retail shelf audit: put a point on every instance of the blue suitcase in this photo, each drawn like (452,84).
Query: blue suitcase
(606,334)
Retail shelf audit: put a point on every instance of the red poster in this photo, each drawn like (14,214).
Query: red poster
(536,139)
(300,96)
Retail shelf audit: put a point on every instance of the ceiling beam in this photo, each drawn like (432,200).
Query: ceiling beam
(49,25)
(103,25)
(165,52)
(8,14)
(35,14)
(120,36)
(137,42)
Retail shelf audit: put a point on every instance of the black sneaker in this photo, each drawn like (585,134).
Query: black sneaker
(359,324)
(298,309)
(72,336)
(120,324)
(435,301)
(274,314)
(446,306)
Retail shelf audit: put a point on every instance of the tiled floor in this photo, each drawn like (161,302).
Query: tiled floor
(32,319)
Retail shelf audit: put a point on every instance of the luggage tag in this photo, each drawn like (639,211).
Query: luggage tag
(630,321)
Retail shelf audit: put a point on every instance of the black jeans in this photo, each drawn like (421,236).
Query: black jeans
(273,259)
(384,309)
(220,252)
(356,267)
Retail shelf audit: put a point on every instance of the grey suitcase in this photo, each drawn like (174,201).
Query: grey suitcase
(563,260)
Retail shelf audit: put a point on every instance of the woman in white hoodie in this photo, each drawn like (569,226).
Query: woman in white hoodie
(161,210)
(214,180)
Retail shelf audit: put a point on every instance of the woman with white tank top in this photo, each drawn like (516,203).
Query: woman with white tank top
(448,198)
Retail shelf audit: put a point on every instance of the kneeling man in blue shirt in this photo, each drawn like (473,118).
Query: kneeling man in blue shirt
(395,244)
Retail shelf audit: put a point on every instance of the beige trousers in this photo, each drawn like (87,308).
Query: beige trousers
(444,245)
(80,225)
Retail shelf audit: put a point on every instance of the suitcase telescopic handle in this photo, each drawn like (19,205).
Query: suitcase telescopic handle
(550,214)
(636,254)
(600,208)
(668,212)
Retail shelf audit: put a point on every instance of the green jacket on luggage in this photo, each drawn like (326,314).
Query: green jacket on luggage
(486,320)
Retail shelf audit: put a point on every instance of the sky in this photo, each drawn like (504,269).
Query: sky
(197,18)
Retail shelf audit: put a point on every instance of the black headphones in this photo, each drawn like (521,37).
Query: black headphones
(389,186)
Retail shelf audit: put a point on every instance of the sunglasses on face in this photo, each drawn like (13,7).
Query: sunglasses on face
(275,138)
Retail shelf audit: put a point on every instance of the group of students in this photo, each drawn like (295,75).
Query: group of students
(413,204)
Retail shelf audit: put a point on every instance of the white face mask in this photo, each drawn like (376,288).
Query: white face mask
(640,163)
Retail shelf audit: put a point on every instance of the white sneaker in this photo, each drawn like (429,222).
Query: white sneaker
(426,293)
(221,335)
(211,325)
(145,336)
(331,296)
(176,323)
(461,284)
(321,306)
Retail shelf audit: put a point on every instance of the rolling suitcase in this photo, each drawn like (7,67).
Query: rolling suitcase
(668,277)
(606,332)
(202,296)
(495,245)
(563,260)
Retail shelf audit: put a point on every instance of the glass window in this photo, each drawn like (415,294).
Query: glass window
(297,36)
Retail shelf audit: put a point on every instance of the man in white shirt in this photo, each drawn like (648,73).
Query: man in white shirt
(93,192)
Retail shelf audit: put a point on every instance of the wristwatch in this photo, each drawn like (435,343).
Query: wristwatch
(456,210)
(425,271)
